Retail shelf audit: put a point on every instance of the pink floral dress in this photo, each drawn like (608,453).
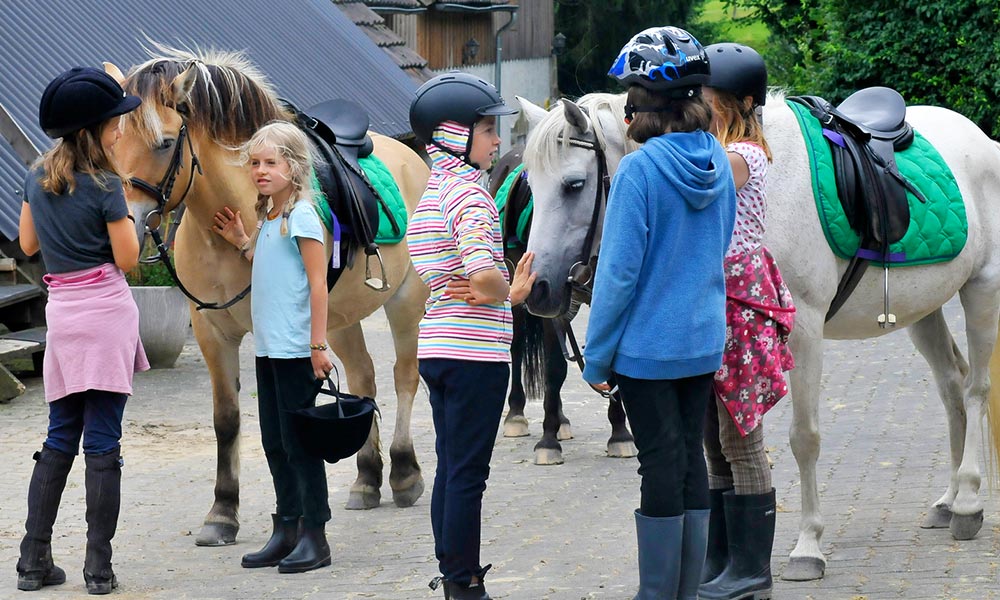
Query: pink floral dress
(759,309)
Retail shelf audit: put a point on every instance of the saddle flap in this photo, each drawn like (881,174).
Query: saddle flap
(881,111)
(346,120)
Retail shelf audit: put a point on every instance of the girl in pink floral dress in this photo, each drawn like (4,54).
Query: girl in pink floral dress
(759,316)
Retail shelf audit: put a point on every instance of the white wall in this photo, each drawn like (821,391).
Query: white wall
(529,78)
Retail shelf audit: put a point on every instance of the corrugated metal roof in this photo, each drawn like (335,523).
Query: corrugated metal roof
(374,27)
(309,50)
(11,177)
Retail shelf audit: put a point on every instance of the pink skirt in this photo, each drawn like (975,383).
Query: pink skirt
(92,340)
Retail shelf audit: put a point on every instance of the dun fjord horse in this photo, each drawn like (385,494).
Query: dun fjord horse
(196,109)
(573,145)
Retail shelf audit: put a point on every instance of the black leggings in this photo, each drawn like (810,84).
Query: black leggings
(667,418)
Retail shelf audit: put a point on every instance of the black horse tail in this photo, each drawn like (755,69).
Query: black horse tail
(533,367)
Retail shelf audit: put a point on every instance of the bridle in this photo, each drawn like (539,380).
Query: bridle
(161,192)
(580,277)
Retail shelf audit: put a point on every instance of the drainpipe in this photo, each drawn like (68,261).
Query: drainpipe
(497,71)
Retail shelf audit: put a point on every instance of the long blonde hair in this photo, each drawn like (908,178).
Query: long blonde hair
(78,152)
(741,123)
(293,146)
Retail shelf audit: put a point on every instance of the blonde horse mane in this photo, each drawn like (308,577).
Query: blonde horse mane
(230,99)
(551,135)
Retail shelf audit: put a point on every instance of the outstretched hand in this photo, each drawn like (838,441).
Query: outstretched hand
(230,226)
(524,278)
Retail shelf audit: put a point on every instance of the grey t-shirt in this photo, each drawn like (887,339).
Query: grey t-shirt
(72,228)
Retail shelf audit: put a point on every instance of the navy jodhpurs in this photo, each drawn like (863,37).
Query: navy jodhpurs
(466,402)
(285,384)
(667,418)
(95,415)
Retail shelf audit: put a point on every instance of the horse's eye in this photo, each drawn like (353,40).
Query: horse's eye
(166,145)
(574,185)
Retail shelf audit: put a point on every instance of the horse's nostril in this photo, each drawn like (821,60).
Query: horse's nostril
(539,292)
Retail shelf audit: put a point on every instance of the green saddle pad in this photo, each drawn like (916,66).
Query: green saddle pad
(938,229)
(503,195)
(381,179)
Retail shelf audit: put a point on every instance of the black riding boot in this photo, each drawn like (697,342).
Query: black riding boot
(282,542)
(104,479)
(311,552)
(750,525)
(48,479)
(718,544)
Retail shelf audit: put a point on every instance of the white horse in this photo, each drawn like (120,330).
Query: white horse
(564,148)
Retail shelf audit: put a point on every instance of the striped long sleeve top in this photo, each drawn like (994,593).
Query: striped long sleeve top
(455,232)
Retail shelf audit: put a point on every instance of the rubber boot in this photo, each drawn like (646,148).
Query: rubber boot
(718,545)
(750,525)
(104,481)
(35,568)
(311,552)
(693,545)
(284,537)
(660,541)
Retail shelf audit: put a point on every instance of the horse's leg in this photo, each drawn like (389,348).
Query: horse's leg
(806,561)
(933,340)
(222,356)
(515,424)
(982,312)
(548,451)
(349,345)
(621,444)
(404,311)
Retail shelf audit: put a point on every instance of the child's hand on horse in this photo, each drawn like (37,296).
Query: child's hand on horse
(230,226)
(524,278)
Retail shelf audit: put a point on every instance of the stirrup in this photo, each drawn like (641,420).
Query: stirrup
(379,284)
(886,319)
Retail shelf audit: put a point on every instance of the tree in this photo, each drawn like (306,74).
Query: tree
(596,30)
(932,52)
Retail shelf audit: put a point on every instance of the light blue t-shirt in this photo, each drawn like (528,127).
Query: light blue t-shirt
(280,303)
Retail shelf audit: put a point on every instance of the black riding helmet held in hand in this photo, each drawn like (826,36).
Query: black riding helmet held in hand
(81,97)
(739,70)
(457,97)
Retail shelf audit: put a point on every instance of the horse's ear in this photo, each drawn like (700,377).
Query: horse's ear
(115,73)
(575,116)
(183,84)
(532,111)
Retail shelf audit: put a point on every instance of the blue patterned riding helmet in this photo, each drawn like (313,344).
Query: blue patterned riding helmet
(662,59)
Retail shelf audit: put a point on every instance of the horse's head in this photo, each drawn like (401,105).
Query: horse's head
(571,151)
(196,109)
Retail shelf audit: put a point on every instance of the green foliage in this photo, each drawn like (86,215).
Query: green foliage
(942,53)
(596,30)
(150,275)
(720,21)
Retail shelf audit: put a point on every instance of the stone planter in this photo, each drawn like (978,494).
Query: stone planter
(163,323)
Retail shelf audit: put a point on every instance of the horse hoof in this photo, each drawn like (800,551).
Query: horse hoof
(804,568)
(516,426)
(565,432)
(548,456)
(363,500)
(938,517)
(217,534)
(408,497)
(965,527)
(622,450)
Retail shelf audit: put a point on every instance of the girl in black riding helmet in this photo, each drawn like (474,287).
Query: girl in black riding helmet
(75,213)
(454,240)
(760,316)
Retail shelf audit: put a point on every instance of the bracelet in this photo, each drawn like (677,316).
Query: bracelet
(245,248)
(322,346)
(130,218)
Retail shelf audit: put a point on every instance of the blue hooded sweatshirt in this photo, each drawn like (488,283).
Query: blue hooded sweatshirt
(659,303)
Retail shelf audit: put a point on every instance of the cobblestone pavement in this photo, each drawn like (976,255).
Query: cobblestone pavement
(559,533)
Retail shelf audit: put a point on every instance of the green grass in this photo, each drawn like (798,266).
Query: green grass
(733,29)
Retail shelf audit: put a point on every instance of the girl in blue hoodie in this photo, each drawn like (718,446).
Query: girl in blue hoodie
(658,320)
